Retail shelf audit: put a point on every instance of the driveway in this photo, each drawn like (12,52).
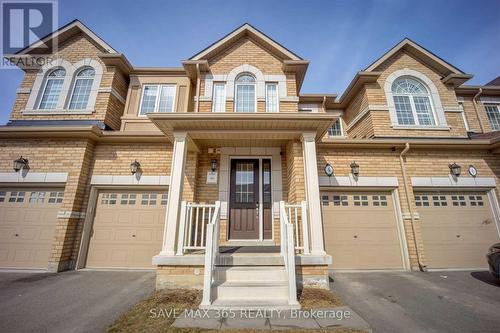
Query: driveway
(452,301)
(81,301)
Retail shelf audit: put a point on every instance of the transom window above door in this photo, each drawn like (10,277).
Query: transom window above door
(245,97)
(157,98)
(412,101)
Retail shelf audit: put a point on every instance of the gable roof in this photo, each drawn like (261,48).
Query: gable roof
(420,52)
(494,82)
(246,30)
(66,32)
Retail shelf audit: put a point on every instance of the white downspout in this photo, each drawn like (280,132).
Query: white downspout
(422,267)
(198,84)
(474,102)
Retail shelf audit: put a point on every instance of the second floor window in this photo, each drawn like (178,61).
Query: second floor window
(493,112)
(245,97)
(335,129)
(81,89)
(413,102)
(272,101)
(219,97)
(157,98)
(52,90)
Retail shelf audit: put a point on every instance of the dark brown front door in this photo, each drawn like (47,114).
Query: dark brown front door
(244,199)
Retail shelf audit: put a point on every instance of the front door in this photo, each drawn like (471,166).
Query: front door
(244,199)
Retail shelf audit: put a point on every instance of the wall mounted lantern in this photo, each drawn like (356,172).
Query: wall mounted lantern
(328,169)
(213,165)
(455,169)
(355,168)
(20,163)
(134,167)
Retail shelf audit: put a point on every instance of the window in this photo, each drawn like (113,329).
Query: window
(272,101)
(458,200)
(245,94)
(81,89)
(379,200)
(17,196)
(109,199)
(128,199)
(360,200)
(493,112)
(439,201)
(422,201)
(2,196)
(53,87)
(157,98)
(324,200)
(148,199)
(476,200)
(219,99)
(335,129)
(412,102)
(56,197)
(340,200)
(37,197)
(164,199)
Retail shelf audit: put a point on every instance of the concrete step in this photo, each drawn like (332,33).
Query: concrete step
(250,273)
(249,259)
(251,290)
(252,304)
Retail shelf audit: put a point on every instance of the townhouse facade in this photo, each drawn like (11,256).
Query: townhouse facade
(222,175)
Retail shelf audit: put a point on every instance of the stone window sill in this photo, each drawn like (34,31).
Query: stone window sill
(56,112)
(427,128)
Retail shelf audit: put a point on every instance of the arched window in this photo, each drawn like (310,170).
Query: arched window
(412,101)
(52,90)
(245,97)
(81,89)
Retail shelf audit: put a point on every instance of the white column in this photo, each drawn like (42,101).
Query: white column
(312,193)
(174,193)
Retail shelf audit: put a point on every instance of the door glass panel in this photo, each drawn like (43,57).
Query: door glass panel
(244,182)
(266,181)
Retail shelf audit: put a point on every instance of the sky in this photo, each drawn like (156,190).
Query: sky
(339,38)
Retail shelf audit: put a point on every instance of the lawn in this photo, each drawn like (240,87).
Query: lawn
(145,315)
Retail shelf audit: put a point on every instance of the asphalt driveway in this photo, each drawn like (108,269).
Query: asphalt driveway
(82,301)
(458,301)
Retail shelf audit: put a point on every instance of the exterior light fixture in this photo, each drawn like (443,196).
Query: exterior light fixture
(328,169)
(355,168)
(213,165)
(20,163)
(134,166)
(455,169)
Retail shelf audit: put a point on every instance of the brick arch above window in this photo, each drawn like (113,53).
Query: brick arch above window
(434,94)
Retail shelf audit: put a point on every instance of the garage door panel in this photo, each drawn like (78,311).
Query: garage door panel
(457,228)
(361,230)
(27,225)
(127,229)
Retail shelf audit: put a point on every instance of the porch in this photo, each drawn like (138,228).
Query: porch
(243,217)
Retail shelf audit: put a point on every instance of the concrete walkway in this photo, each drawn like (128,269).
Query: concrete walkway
(336,317)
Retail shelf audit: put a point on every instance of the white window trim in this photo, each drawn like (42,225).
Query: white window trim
(224,96)
(73,86)
(277,96)
(45,83)
(435,100)
(414,109)
(497,105)
(342,135)
(32,106)
(157,100)
(236,84)
(464,117)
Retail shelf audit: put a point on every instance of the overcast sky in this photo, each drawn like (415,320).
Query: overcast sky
(339,38)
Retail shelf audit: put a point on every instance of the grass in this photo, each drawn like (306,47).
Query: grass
(140,317)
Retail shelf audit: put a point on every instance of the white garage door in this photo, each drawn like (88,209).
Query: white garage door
(127,230)
(360,230)
(28,219)
(457,228)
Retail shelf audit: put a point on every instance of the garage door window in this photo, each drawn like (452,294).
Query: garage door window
(17,196)
(422,201)
(164,198)
(109,199)
(324,200)
(379,200)
(360,200)
(458,200)
(149,199)
(439,201)
(2,196)
(37,197)
(476,200)
(340,200)
(56,197)
(128,199)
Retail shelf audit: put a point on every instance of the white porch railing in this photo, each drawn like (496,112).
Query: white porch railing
(194,218)
(211,252)
(288,253)
(297,215)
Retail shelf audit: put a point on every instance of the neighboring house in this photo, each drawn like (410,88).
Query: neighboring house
(228,138)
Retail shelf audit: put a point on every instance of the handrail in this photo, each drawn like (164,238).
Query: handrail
(211,252)
(297,215)
(288,253)
(192,227)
